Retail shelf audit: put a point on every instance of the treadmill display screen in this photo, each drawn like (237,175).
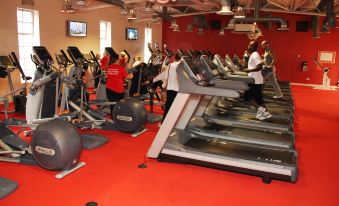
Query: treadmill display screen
(75,52)
(229,63)
(191,65)
(42,53)
(218,58)
(210,63)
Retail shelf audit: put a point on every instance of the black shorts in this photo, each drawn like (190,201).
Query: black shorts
(254,93)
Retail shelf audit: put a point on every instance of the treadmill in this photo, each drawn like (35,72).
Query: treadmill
(243,120)
(236,105)
(174,144)
(227,66)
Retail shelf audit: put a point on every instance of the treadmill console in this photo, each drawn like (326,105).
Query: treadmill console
(182,53)
(76,54)
(193,71)
(42,55)
(5,61)
(209,63)
(217,57)
(230,64)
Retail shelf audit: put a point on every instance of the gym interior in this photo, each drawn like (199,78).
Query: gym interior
(169,102)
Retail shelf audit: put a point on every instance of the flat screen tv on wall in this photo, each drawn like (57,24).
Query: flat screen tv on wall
(131,34)
(76,28)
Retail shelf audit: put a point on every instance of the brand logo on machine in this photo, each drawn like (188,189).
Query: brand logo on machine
(124,118)
(45,151)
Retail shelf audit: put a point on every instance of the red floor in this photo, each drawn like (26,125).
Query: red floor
(111,176)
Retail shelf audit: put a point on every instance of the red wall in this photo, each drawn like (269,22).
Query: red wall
(291,47)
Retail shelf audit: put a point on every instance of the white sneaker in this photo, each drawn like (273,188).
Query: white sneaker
(277,97)
(260,111)
(265,115)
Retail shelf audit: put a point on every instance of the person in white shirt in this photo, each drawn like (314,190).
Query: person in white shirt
(254,94)
(172,84)
(137,62)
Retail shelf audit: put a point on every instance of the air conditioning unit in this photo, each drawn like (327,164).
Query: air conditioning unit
(244,28)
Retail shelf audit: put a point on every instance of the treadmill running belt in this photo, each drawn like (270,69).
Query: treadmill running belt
(219,147)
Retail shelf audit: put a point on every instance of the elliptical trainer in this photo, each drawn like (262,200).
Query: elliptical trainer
(129,115)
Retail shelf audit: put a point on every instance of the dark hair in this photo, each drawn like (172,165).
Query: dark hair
(177,56)
(113,57)
(253,46)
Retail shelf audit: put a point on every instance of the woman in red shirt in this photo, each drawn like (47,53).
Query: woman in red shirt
(116,74)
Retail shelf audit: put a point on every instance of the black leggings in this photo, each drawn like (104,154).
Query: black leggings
(171,94)
(113,96)
(254,93)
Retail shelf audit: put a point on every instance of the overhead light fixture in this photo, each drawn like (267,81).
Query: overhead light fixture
(163,1)
(132,15)
(123,12)
(221,32)
(189,28)
(239,13)
(200,31)
(173,24)
(67,7)
(225,8)
(176,29)
(148,8)
(325,29)
(315,26)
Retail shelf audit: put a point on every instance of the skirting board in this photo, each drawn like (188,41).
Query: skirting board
(313,85)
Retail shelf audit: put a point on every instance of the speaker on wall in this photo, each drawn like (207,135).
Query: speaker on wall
(302,26)
(216,25)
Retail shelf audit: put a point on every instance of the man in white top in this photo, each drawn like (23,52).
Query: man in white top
(254,94)
(137,62)
(172,83)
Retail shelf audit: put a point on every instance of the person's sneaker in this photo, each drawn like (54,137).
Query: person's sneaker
(260,111)
(277,97)
(265,115)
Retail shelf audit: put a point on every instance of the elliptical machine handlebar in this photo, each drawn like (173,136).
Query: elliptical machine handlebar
(17,64)
(73,60)
(40,82)
(68,61)
(94,59)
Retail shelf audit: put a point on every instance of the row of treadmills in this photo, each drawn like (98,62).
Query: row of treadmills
(209,123)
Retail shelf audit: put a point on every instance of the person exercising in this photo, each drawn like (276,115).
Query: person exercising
(269,69)
(254,94)
(116,74)
(172,84)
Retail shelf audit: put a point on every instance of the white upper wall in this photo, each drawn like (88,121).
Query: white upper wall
(53,30)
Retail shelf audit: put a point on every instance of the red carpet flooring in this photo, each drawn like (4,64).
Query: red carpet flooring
(111,176)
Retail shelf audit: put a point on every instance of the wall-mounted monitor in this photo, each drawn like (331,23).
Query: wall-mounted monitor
(131,34)
(76,28)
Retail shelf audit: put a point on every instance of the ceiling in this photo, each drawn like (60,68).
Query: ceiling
(176,8)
